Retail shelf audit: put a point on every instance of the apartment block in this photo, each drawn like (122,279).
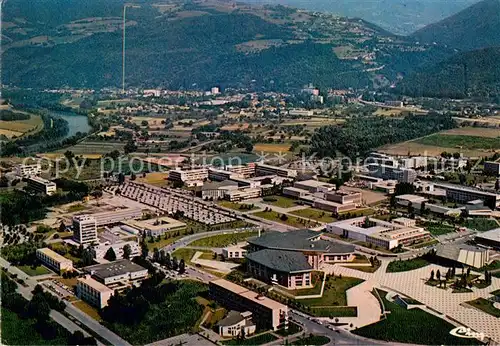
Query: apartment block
(40,185)
(85,229)
(93,292)
(53,260)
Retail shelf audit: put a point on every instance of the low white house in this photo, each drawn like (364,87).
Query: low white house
(235,323)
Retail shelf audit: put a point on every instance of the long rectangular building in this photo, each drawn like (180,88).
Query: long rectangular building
(267,313)
(41,185)
(93,292)
(54,260)
(263,169)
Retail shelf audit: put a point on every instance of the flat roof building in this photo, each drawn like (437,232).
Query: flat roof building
(116,216)
(40,185)
(474,256)
(85,229)
(53,260)
(463,194)
(120,271)
(489,238)
(28,170)
(263,169)
(268,313)
(93,292)
(197,174)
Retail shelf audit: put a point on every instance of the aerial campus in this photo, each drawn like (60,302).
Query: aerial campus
(242,197)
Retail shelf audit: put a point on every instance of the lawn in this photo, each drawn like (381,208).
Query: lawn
(334,292)
(187,254)
(492,266)
(312,340)
(163,242)
(407,265)
(237,206)
(439,229)
(279,201)
(485,305)
(413,326)
(455,141)
(315,214)
(88,309)
(287,219)
(222,240)
(20,331)
(256,340)
(365,269)
(38,270)
(358,212)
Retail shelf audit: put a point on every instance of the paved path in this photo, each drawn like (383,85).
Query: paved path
(412,284)
(223,267)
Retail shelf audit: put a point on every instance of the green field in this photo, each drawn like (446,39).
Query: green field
(312,340)
(481,224)
(290,220)
(187,254)
(315,214)
(413,326)
(222,240)
(403,266)
(38,270)
(280,201)
(465,142)
(20,331)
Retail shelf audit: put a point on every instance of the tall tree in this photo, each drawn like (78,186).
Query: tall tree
(110,255)
(127,251)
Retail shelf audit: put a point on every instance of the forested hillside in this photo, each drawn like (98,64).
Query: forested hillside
(471,73)
(477,26)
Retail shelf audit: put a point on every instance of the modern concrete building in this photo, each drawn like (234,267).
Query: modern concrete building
(463,194)
(263,169)
(26,170)
(313,186)
(236,323)
(53,260)
(234,252)
(380,233)
(473,256)
(246,171)
(99,251)
(242,194)
(405,175)
(197,174)
(93,292)
(40,185)
(344,197)
(267,313)
(156,227)
(85,229)
(116,216)
(217,190)
(294,192)
(117,273)
(490,238)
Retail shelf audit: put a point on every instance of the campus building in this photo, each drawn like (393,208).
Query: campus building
(386,172)
(85,229)
(246,171)
(492,168)
(40,185)
(313,186)
(287,259)
(490,238)
(99,251)
(470,255)
(120,272)
(236,323)
(197,174)
(93,292)
(242,194)
(25,170)
(268,313)
(53,260)
(385,234)
(462,194)
(156,227)
(344,197)
(234,252)
(263,169)
(116,216)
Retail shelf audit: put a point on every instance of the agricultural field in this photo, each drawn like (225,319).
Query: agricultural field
(89,147)
(19,128)
(461,141)
(271,147)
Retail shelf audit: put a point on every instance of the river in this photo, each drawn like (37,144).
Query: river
(76,122)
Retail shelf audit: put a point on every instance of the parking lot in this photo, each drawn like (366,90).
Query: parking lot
(168,203)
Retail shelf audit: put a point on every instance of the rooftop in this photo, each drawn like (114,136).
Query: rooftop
(250,295)
(232,318)
(280,260)
(94,284)
(107,270)
(493,234)
(300,240)
(54,255)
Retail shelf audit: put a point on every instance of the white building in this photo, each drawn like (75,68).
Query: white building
(93,292)
(263,169)
(41,185)
(234,252)
(53,260)
(117,272)
(99,251)
(85,229)
(24,170)
(235,323)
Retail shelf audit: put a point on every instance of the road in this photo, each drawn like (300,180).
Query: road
(71,310)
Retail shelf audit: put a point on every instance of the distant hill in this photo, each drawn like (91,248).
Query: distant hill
(401,17)
(475,73)
(477,26)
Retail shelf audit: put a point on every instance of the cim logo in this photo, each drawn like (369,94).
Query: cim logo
(467,333)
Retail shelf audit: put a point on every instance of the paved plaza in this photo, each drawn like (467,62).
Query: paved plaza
(412,284)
